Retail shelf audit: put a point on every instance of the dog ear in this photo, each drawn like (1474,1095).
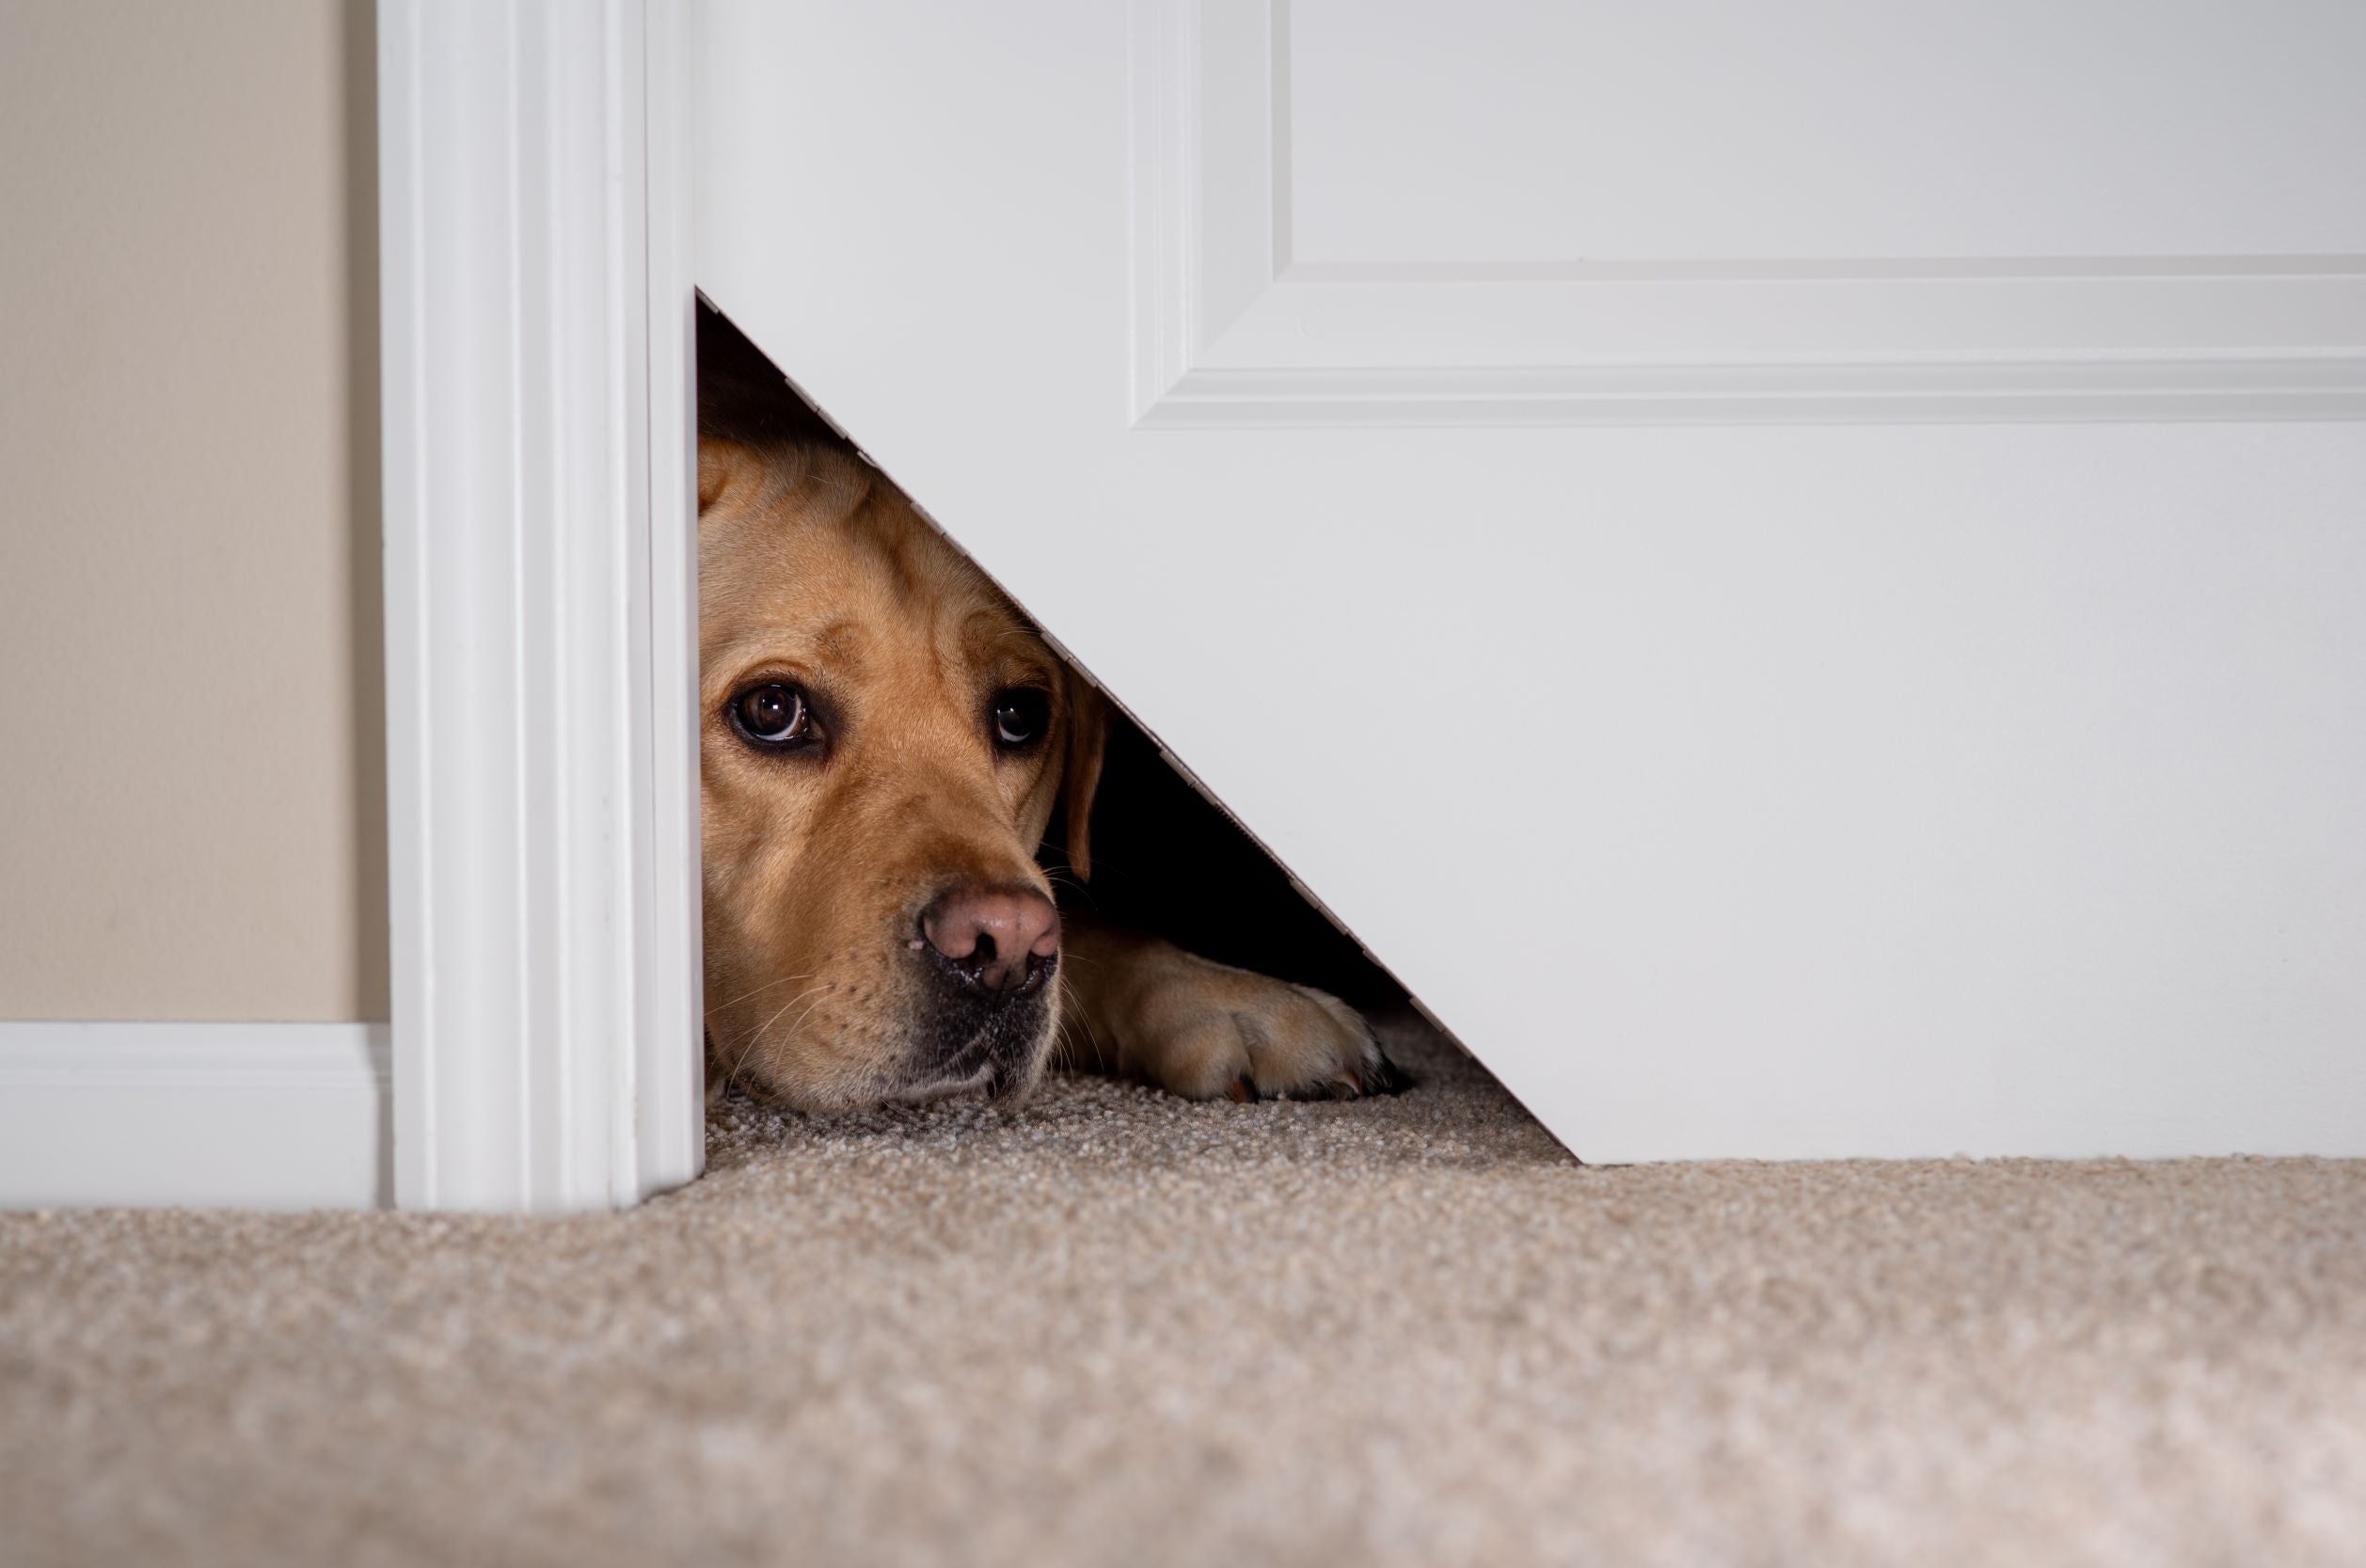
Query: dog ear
(720,462)
(1088,737)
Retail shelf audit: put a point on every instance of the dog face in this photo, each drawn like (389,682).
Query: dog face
(883,739)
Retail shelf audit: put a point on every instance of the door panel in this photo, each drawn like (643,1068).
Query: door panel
(1854,132)
(1731,790)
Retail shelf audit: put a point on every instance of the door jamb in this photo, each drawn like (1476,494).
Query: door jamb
(541,601)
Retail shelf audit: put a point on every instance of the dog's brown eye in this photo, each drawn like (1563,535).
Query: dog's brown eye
(774,714)
(1020,716)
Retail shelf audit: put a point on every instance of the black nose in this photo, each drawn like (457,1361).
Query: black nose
(995,944)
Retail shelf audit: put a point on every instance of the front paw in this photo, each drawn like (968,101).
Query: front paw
(1209,1030)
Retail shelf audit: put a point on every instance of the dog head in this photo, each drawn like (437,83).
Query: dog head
(883,739)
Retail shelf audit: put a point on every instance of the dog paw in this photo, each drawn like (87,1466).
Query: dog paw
(1226,1032)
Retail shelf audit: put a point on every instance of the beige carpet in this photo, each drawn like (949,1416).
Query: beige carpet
(1119,1329)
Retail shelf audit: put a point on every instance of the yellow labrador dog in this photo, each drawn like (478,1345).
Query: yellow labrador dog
(884,739)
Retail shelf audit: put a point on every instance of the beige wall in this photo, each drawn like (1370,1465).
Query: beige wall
(191,798)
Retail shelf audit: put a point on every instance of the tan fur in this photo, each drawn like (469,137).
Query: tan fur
(815,571)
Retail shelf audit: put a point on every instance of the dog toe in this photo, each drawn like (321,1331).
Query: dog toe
(1305,1044)
(1214,1032)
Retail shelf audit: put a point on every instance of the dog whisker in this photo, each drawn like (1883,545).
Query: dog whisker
(802,1017)
(759,991)
(748,1044)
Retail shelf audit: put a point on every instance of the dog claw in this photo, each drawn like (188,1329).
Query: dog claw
(1243,1089)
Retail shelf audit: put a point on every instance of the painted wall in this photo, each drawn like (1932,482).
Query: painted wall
(191,795)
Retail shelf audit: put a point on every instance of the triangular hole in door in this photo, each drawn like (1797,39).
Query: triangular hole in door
(1168,857)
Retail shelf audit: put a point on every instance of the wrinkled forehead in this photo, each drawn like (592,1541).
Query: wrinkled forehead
(878,594)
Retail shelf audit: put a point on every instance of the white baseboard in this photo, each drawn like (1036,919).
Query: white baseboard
(248,1116)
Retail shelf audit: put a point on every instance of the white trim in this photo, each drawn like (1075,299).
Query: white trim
(541,659)
(2089,390)
(258,1115)
(1229,330)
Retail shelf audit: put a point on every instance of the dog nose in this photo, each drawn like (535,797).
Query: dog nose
(1001,939)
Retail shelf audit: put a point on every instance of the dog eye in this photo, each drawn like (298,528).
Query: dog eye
(1020,715)
(774,714)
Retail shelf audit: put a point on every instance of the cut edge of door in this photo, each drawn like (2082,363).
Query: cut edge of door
(1416,1014)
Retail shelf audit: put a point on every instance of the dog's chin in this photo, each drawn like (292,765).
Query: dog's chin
(1000,1085)
(1003,1061)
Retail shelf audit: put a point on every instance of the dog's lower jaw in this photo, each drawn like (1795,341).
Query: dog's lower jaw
(1005,1087)
(1003,1055)
(1003,1063)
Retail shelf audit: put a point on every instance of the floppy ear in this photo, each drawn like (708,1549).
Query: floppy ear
(720,462)
(1087,734)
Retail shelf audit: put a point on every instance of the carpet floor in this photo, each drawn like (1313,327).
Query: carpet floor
(1117,1328)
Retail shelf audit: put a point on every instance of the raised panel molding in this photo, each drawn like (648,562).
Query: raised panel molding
(1228,329)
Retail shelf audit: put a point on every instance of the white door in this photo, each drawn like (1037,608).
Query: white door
(1795,571)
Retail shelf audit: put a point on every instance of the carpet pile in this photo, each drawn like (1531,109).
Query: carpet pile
(1117,1328)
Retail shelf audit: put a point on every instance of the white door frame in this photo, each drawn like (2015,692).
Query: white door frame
(541,601)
